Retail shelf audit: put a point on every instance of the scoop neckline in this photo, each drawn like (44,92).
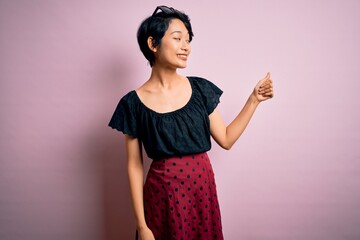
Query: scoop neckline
(171,112)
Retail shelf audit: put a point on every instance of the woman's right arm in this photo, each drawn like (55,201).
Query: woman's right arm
(136,183)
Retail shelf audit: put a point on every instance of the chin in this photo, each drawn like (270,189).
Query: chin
(182,65)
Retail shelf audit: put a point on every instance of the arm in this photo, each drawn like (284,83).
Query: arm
(136,183)
(226,136)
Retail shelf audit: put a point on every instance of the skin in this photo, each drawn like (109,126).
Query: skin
(166,91)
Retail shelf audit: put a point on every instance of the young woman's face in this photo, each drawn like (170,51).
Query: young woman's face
(174,49)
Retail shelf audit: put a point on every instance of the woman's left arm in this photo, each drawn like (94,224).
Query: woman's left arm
(226,136)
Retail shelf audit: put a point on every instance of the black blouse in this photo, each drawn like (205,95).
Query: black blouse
(181,132)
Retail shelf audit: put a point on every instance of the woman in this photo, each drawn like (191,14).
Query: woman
(173,117)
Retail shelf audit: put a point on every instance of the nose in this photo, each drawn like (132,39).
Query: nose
(185,46)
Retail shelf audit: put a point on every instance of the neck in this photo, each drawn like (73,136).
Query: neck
(164,76)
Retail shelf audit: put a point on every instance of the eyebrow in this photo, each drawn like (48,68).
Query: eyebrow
(176,32)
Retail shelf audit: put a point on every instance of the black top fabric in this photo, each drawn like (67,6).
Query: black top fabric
(181,132)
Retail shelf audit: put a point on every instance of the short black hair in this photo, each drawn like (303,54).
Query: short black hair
(155,26)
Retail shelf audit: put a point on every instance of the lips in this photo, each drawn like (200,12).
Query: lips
(182,56)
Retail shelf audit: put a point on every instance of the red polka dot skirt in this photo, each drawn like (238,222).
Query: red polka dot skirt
(181,201)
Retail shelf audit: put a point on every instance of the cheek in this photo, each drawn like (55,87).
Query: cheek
(167,47)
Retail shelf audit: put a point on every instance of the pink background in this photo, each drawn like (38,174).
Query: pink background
(294,174)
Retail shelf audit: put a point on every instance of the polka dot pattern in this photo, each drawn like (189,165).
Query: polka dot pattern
(180,199)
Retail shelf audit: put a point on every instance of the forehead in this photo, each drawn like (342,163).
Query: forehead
(176,25)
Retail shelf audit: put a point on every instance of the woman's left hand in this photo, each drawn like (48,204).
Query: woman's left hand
(264,89)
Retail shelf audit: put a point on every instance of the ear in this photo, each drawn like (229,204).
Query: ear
(150,42)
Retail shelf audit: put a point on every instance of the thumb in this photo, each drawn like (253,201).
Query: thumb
(267,77)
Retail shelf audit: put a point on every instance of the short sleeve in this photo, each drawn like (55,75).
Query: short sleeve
(124,117)
(210,93)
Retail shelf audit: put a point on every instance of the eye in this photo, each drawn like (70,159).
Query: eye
(178,39)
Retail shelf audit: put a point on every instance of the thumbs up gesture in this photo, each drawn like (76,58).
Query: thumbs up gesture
(264,89)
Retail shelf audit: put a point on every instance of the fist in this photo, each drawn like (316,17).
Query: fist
(264,89)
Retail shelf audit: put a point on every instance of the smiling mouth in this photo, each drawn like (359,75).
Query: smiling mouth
(182,56)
